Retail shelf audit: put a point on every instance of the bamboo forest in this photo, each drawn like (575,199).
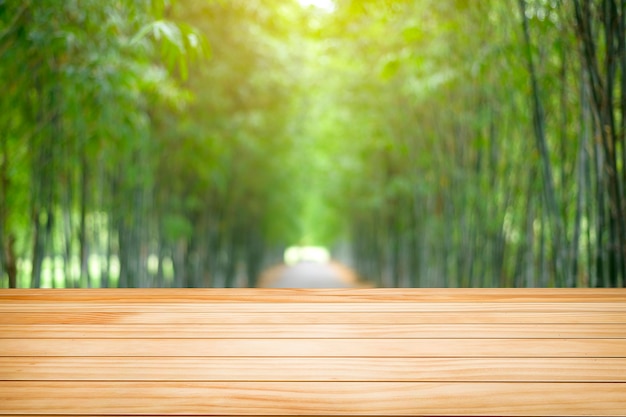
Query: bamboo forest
(424,143)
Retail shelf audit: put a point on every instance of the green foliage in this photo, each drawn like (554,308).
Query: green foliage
(179,143)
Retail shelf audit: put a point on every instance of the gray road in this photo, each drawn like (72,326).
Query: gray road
(310,275)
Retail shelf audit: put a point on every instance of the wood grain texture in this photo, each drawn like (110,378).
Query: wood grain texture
(601,348)
(315,398)
(231,318)
(313,369)
(305,307)
(339,352)
(377,295)
(307,331)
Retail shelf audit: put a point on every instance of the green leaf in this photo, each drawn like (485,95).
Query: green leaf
(390,69)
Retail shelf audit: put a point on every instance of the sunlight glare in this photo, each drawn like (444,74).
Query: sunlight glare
(296,254)
(325,5)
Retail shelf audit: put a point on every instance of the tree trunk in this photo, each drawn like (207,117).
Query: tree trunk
(554,212)
(85,280)
(602,87)
(8,262)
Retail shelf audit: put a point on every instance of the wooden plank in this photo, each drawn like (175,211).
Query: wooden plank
(375,295)
(308,331)
(250,307)
(314,398)
(295,352)
(217,415)
(317,347)
(228,318)
(313,369)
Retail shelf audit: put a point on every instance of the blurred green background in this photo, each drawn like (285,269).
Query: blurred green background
(188,143)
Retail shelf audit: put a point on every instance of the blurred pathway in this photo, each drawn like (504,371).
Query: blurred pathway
(309,275)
